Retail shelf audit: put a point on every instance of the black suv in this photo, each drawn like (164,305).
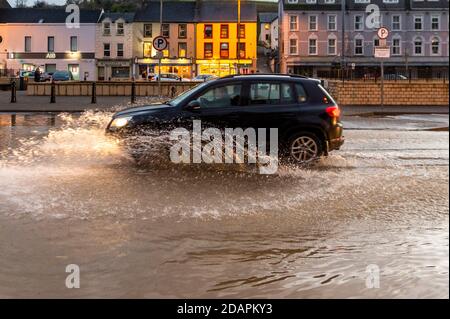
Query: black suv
(306,116)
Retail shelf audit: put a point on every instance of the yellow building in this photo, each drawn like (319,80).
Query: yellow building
(222,49)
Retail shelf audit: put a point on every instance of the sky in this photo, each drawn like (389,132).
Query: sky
(12,2)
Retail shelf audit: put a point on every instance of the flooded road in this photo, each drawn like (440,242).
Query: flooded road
(69,195)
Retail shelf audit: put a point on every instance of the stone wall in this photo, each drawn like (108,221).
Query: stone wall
(416,92)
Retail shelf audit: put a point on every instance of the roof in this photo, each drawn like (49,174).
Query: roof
(267,17)
(210,11)
(128,17)
(33,15)
(181,11)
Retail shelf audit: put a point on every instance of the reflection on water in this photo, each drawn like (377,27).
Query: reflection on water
(70,195)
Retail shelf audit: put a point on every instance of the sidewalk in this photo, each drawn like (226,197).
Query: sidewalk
(81,103)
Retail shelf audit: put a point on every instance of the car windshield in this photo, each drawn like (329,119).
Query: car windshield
(176,101)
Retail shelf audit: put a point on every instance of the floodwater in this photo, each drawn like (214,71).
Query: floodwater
(69,195)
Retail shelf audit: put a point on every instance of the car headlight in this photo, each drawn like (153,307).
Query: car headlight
(120,122)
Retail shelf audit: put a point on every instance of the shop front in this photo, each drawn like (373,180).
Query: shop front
(222,68)
(183,67)
(110,70)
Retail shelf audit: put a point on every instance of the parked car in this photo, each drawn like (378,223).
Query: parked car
(167,77)
(307,117)
(395,77)
(204,78)
(46,76)
(26,74)
(62,76)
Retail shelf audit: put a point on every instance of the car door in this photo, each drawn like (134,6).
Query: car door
(271,104)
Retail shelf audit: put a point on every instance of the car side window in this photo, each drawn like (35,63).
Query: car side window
(264,93)
(222,96)
(271,93)
(301,93)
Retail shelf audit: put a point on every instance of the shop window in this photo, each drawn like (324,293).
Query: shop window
(75,70)
(147,49)
(120,72)
(50,68)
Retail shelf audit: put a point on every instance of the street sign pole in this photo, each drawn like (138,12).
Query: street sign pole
(382,83)
(159,57)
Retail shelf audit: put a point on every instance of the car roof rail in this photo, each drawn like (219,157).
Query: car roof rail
(267,74)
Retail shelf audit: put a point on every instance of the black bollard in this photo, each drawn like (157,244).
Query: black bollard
(13,92)
(53,92)
(133,92)
(94,93)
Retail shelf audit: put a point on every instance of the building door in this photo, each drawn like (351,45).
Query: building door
(75,70)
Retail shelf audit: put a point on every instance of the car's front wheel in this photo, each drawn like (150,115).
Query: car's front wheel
(304,148)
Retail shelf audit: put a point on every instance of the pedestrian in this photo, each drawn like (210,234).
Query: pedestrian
(37,75)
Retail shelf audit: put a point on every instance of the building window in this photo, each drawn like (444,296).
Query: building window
(359,49)
(312,23)
(396,23)
(332,22)
(224,31)
(75,70)
(120,28)
(435,23)
(106,28)
(147,49)
(182,31)
(208,31)
(119,49)
(27,44)
(106,49)
(50,68)
(330,1)
(390,1)
(311,1)
(418,23)
(396,46)
(376,42)
(224,50)
(50,44)
(331,46)
(182,49)
(148,30)
(293,46)
(293,23)
(359,22)
(208,50)
(166,51)
(312,44)
(241,31)
(362,1)
(418,46)
(241,52)
(165,30)
(73,44)
(435,46)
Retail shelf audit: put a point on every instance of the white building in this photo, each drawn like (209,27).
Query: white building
(114,47)
(33,38)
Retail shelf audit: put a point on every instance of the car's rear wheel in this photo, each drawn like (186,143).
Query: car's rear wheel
(304,148)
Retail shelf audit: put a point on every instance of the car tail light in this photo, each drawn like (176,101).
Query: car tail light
(333,111)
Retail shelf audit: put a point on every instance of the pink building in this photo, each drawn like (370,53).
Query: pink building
(32,38)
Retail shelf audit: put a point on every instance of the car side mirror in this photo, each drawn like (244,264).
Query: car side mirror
(193,106)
